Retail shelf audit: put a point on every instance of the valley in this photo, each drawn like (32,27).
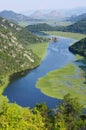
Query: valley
(43,81)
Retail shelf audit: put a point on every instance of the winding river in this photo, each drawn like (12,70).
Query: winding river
(23,91)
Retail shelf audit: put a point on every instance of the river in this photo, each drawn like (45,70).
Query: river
(23,91)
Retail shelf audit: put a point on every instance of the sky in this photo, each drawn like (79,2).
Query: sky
(26,5)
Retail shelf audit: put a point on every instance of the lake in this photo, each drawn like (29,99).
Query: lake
(23,91)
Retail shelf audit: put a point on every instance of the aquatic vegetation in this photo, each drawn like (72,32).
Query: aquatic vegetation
(69,79)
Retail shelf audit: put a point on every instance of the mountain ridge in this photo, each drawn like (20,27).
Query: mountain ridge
(14,55)
(78,27)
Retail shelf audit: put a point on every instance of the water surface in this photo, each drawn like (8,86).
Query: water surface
(23,90)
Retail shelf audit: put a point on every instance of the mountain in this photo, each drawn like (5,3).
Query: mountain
(55,14)
(17,18)
(52,14)
(76,18)
(23,35)
(39,27)
(79,47)
(14,56)
(38,15)
(10,15)
(78,27)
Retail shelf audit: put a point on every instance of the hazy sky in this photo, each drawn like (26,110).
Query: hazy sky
(25,5)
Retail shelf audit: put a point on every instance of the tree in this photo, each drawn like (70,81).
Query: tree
(46,114)
(68,114)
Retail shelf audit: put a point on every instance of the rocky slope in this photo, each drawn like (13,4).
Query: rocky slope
(14,56)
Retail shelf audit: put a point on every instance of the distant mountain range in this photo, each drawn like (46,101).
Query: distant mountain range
(10,15)
(78,26)
(57,13)
(40,15)
(50,15)
(17,18)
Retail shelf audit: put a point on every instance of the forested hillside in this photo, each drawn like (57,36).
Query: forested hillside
(78,27)
(14,56)
(22,34)
(79,47)
(39,27)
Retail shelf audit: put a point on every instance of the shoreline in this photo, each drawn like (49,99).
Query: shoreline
(15,75)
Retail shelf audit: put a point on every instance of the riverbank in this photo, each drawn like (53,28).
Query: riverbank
(40,50)
(13,76)
(4,84)
(76,36)
(69,79)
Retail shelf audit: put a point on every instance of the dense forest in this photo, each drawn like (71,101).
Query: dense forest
(67,116)
(79,47)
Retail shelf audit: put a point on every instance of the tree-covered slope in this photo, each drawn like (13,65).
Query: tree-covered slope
(79,47)
(67,116)
(23,35)
(39,27)
(14,56)
(78,27)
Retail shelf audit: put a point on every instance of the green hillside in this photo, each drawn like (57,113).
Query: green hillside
(14,56)
(78,27)
(39,27)
(79,47)
(23,35)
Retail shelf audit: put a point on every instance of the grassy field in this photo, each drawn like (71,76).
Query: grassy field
(76,36)
(69,79)
(64,23)
(39,49)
